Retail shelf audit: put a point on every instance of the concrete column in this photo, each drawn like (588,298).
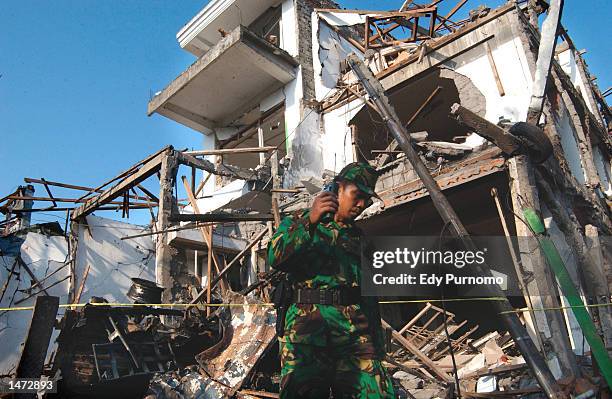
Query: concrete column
(164,252)
(541,287)
(600,286)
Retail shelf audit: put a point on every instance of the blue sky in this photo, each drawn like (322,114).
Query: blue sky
(76,76)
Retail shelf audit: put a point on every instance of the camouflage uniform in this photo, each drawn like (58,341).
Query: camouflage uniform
(327,346)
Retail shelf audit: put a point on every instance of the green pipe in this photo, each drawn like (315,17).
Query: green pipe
(571,293)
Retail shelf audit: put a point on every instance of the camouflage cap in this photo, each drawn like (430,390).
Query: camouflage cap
(363,175)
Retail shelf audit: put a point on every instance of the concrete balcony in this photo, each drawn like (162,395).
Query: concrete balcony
(202,33)
(236,74)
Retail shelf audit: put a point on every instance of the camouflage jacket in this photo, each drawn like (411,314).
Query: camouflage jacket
(326,255)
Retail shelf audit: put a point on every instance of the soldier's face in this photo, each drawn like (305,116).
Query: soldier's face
(351,201)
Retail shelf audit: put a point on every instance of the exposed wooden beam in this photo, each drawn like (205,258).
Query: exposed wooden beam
(70,186)
(57,184)
(501,138)
(16,192)
(221,217)
(405,5)
(82,285)
(498,82)
(31,274)
(22,198)
(228,151)
(147,170)
(285,190)
(427,362)
(128,171)
(378,13)
(202,184)
(53,199)
(147,192)
(101,208)
(203,164)
(452,12)
(383,32)
(34,349)
(226,269)
(46,185)
(239,137)
(190,226)
(207,235)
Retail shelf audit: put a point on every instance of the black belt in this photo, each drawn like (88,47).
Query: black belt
(331,296)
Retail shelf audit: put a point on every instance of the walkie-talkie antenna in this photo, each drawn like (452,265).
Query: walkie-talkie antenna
(335,173)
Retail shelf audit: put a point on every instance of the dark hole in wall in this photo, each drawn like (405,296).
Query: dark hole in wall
(267,25)
(473,203)
(372,134)
(272,126)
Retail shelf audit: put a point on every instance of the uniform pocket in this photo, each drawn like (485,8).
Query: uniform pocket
(305,324)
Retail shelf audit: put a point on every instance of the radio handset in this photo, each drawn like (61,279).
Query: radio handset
(331,187)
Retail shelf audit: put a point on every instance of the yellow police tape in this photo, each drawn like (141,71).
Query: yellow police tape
(596,305)
(188,305)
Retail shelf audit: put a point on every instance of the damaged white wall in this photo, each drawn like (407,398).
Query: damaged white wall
(113,262)
(288,32)
(513,72)
(579,344)
(567,60)
(302,130)
(567,133)
(43,255)
(337,137)
(604,170)
(328,50)
(506,50)
(508,54)
(467,55)
(306,150)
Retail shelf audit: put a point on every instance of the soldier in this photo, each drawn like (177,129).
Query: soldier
(332,335)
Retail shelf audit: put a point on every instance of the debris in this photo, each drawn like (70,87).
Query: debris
(37,340)
(248,333)
(445,149)
(144,291)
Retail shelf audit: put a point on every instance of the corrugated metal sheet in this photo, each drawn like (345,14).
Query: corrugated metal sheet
(249,332)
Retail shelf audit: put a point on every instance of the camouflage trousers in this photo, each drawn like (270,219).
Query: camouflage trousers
(327,348)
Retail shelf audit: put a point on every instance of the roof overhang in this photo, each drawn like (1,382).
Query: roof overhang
(201,33)
(472,167)
(238,72)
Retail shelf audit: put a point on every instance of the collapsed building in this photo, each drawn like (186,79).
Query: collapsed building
(281,113)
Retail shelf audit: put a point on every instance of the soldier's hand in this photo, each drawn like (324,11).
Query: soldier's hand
(324,202)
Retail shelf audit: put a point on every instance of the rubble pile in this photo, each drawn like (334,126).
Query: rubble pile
(102,345)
